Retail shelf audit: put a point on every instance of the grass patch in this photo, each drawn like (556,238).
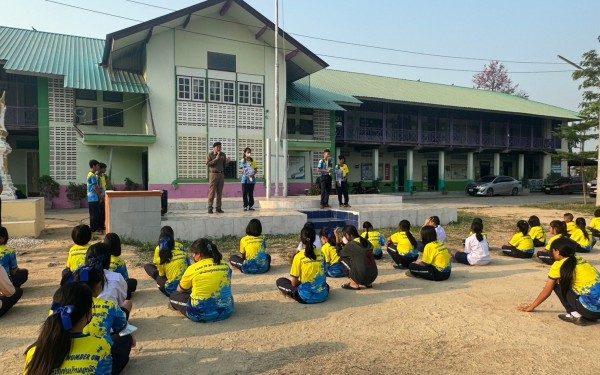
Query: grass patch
(587,209)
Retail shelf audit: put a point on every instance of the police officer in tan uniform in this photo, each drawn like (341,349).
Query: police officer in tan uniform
(217,160)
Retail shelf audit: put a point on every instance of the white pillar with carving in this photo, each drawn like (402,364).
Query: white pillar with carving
(8,191)
(521,167)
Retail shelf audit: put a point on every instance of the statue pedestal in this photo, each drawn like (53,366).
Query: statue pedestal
(9,190)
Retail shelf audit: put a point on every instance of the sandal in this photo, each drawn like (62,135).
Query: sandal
(369,286)
(350,287)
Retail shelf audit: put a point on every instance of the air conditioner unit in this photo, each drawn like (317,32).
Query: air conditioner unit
(84,115)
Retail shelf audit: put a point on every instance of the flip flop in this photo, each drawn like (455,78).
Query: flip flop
(369,286)
(350,287)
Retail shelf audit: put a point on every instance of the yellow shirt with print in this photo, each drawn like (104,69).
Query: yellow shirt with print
(251,246)
(76,257)
(538,233)
(206,279)
(437,255)
(571,226)
(585,276)
(175,268)
(344,169)
(105,312)
(403,245)
(579,237)
(178,248)
(374,239)
(554,238)
(330,254)
(595,223)
(522,242)
(306,269)
(89,355)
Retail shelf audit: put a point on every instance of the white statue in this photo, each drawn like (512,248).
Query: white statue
(8,191)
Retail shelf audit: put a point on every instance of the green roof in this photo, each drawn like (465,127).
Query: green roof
(304,96)
(75,58)
(371,87)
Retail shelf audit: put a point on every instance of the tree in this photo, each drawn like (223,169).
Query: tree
(494,77)
(578,132)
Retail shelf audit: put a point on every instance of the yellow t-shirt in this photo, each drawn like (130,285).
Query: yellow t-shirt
(436,254)
(76,257)
(375,238)
(330,254)
(207,280)
(178,247)
(251,246)
(522,242)
(403,245)
(595,223)
(306,269)
(578,236)
(549,245)
(173,270)
(585,276)
(89,355)
(344,169)
(106,315)
(538,233)
(571,226)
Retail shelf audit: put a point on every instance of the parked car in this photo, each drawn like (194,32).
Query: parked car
(592,188)
(492,185)
(564,185)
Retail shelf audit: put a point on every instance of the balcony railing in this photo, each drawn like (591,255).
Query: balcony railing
(410,137)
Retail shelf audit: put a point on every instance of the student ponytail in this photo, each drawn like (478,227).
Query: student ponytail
(523,226)
(352,231)
(477,228)
(329,234)
(71,303)
(367,226)
(404,226)
(566,249)
(307,237)
(166,244)
(207,249)
(560,227)
(98,256)
(580,222)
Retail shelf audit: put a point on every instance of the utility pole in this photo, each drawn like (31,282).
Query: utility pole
(276,98)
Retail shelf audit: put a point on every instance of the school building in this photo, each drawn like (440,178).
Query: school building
(151,99)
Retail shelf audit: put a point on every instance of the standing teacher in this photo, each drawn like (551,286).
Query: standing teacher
(324,170)
(217,160)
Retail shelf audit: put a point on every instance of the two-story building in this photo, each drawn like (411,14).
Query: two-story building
(150,100)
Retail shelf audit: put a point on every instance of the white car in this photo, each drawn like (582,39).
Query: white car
(492,185)
(592,188)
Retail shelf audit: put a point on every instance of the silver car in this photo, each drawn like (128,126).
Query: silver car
(492,185)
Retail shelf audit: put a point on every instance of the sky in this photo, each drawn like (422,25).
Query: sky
(509,30)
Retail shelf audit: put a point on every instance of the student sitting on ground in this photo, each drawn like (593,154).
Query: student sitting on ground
(558,229)
(402,246)
(253,256)
(330,252)
(583,238)
(172,264)
(575,282)
(357,260)
(317,245)
(434,222)
(107,318)
(9,294)
(595,224)
(375,238)
(520,245)
(477,250)
(435,264)
(117,264)
(309,282)
(62,347)
(8,260)
(204,292)
(177,248)
(536,232)
(568,219)
(483,233)
(81,236)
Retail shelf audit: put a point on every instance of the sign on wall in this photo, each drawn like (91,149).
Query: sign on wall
(296,168)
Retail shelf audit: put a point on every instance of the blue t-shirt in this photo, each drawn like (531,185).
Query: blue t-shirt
(248,171)
(8,260)
(92,181)
(325,165)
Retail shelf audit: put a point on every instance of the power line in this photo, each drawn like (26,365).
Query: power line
(361,44)
(320,55)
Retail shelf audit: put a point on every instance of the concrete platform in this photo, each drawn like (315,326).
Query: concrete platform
(23,217)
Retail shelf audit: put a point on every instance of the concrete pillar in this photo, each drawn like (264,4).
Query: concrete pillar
(470,169)
(496,164)
(521,167)
(546,165)
(338,152)
(375,164)
(410,168)
(564,168)
(442,171)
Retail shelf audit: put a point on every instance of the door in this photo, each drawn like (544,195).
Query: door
(484,168)
(508,168)
(145,169)
(33,172)
(432,175)
(401,175)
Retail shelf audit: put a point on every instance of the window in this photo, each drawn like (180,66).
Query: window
(183,88)
(228,92)
(291,125)
(86,95)
(306,127)
(85,116)
(257,94)
(113,117)
(214,90)
(221,61)
(198,89)
(243,93)
(116,97)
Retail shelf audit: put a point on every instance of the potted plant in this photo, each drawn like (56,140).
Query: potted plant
(49,189)
(75,193)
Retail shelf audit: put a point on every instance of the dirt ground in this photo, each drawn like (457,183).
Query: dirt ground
(465,325)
